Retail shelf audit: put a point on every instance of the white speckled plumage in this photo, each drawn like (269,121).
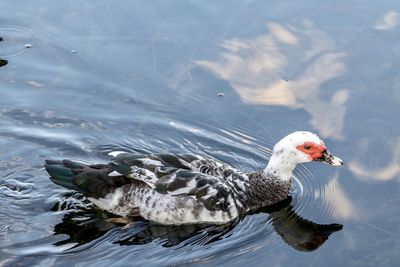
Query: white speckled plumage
(181,189)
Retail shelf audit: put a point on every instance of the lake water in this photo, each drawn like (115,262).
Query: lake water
(79,79)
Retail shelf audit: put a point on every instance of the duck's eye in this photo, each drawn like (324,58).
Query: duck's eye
(307,147)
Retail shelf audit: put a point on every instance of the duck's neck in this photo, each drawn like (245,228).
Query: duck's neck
(280,166)
(271,185)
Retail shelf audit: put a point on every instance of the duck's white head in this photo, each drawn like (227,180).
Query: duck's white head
(299,147)
(303,147)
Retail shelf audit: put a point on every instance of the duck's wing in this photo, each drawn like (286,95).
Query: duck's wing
(151,167)
(177,175)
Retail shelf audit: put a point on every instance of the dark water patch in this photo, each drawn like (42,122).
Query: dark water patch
(3,62)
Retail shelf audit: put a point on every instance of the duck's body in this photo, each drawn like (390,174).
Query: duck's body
(182,189)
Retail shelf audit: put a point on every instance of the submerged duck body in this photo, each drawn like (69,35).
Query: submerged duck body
(185,188)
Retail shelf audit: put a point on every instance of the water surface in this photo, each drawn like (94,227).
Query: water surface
(226,80)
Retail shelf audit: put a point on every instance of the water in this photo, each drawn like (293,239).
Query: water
(228,80)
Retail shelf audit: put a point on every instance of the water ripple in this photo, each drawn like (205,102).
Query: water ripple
(82,230)
(17,40)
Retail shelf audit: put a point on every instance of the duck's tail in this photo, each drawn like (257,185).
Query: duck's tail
(91,180)
(64,173)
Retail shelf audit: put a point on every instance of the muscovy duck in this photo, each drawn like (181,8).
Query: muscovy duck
(185,188)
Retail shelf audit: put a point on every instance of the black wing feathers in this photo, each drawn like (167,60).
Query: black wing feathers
(92,180)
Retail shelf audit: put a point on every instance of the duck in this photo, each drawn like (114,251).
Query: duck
(176,189)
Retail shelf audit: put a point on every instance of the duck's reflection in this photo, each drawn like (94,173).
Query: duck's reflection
(299,233)
(84,226)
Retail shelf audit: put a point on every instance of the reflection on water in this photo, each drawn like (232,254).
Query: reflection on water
(300,233)
(338,201)
(261,72)
(389,21)
(386,173)
(389,163)
(85,225)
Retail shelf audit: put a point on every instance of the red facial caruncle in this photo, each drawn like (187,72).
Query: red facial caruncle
(313,150)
